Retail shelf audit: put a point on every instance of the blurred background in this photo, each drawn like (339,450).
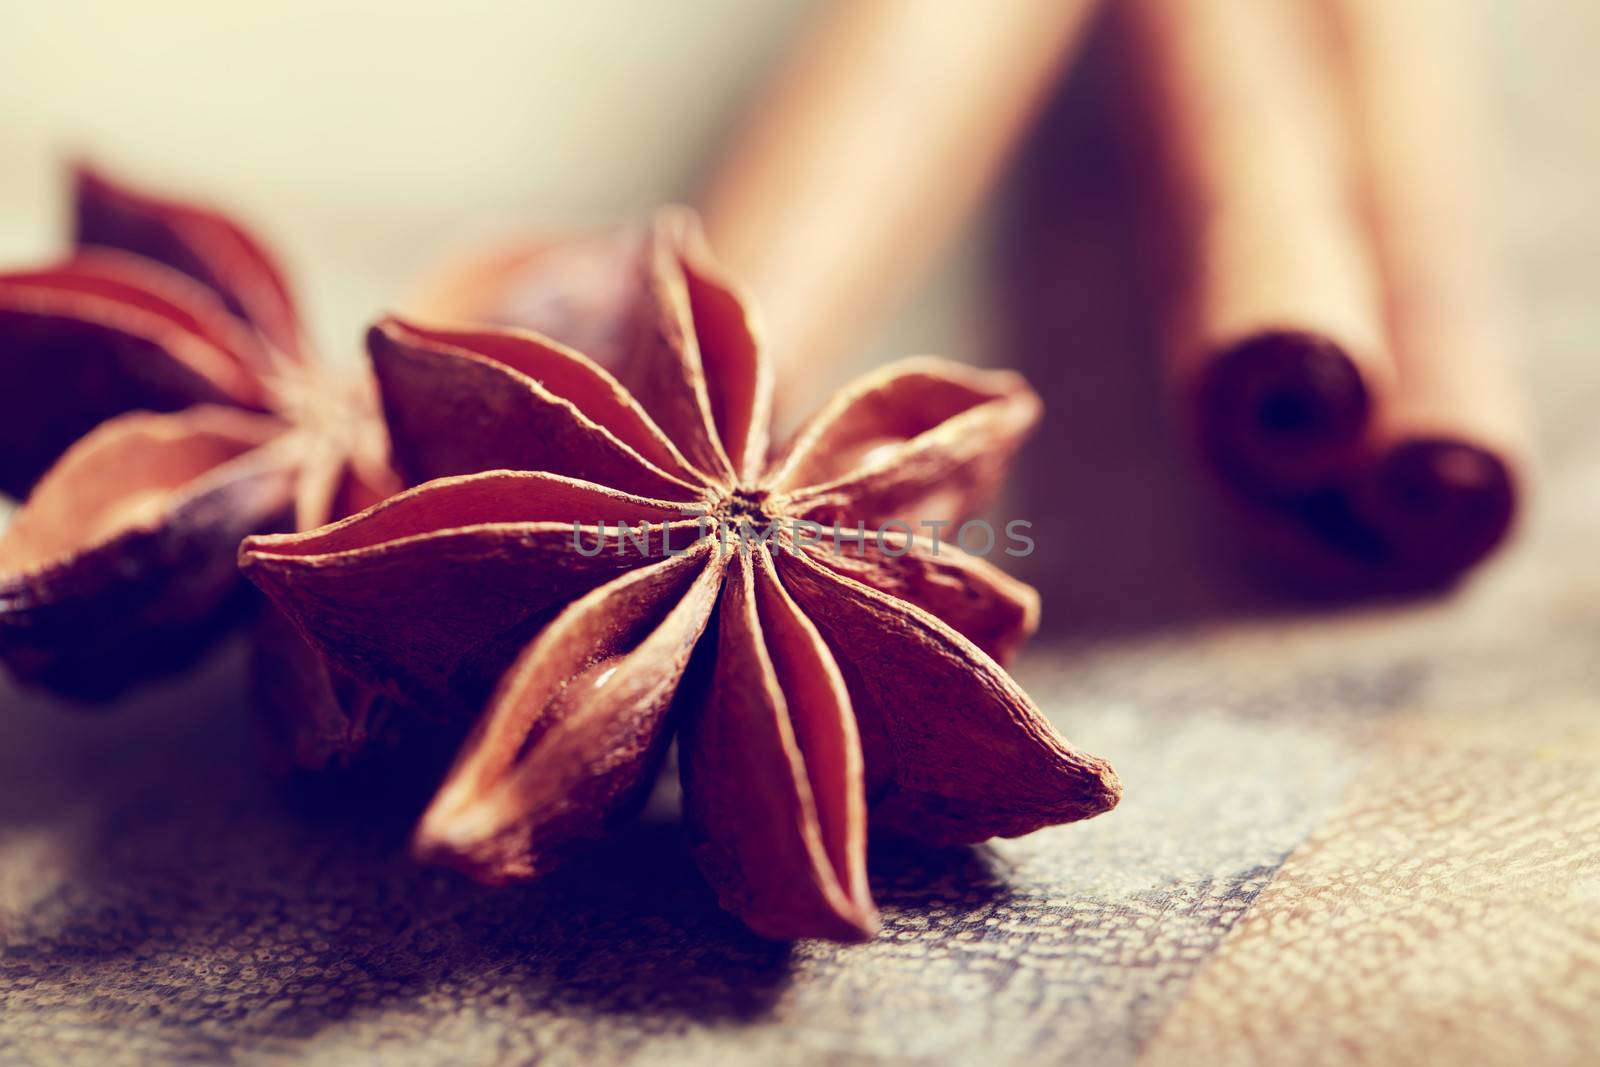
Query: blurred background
(365,140)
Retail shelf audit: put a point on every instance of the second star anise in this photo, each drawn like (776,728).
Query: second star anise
(159,399)
(814,683)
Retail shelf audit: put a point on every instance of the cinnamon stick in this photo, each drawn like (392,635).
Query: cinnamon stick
(1455,434)
(1273,331)
(1332,332)
(868,152)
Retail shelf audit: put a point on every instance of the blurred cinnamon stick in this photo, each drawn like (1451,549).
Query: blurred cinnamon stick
(1272,323)
(869,151)
(1334,332)
(1455,434)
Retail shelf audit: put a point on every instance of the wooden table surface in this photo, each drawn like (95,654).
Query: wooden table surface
(1360,834)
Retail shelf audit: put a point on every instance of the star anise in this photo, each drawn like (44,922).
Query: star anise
(577,288)
(159,381)
(810,681)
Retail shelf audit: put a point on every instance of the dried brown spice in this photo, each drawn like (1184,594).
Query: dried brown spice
(159,399)
(811,684)
(576,288)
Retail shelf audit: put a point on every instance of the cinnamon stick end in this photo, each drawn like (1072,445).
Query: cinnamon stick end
(1441,504)
(1282,412)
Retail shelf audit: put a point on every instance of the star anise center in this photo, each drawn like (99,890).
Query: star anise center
(331,411)
(744,507)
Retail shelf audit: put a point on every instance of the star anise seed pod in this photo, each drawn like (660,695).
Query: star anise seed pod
(579,288)
(159,382)
(811,683)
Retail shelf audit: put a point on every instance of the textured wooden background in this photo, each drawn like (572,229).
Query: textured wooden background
(1365,834)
